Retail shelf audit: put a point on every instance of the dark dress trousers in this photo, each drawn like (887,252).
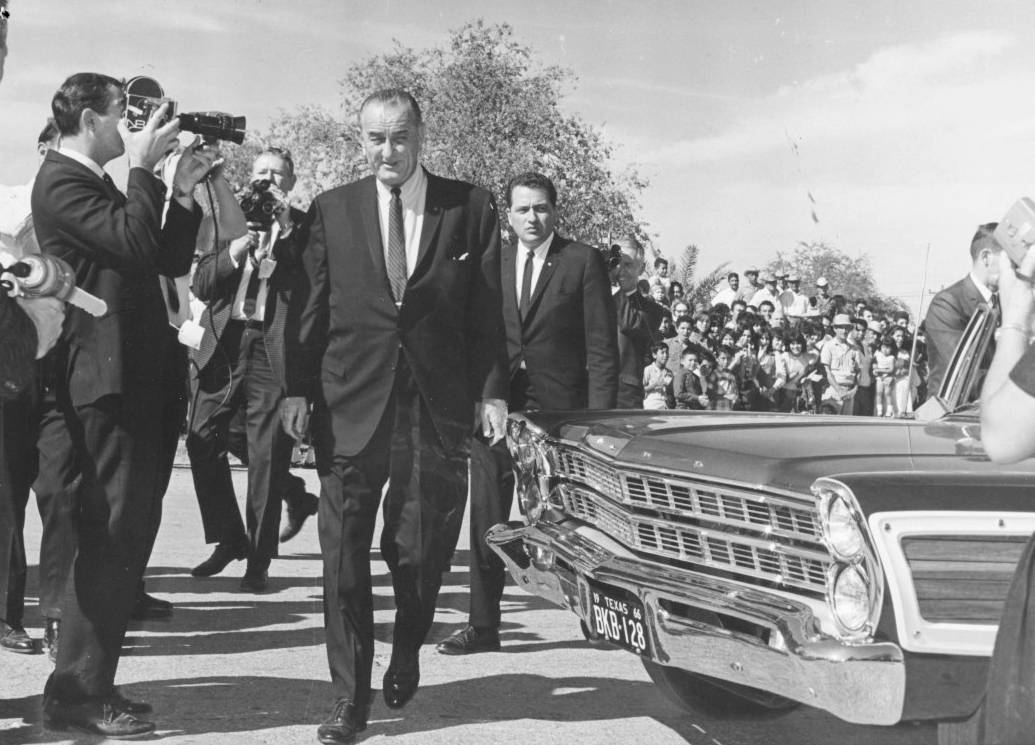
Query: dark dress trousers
(240,368)
(394,389)
(947,317)
(568,342)
(109,386)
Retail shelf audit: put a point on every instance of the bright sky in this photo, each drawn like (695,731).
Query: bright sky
(908,123)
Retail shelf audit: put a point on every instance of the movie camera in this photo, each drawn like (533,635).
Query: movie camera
(144,95)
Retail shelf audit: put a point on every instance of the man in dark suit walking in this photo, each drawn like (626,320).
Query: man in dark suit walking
(248,286)
(562,343)
(109,374)
(395,337)
(951,308)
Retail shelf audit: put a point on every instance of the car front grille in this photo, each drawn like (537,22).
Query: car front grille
(748,532)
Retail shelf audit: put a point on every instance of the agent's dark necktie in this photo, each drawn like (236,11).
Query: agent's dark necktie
(251,292)
(526,285)
(396,248)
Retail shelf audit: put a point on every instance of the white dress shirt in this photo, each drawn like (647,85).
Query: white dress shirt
(413,194)
(538,259)
(267,240)
(86,160)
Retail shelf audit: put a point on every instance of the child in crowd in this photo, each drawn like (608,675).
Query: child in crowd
(657,379)
(883,375)
(687,388)
(726,391)
(906,381)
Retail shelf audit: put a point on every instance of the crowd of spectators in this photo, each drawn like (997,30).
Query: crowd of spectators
(765,345)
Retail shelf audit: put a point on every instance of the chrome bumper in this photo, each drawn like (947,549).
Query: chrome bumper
(862,683)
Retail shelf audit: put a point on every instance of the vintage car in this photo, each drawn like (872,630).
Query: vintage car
(756,562)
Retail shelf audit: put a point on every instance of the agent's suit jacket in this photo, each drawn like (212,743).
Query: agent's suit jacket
(636,333)
(215,283)
(569,339)
(112,244)
(346,338)
(947,317)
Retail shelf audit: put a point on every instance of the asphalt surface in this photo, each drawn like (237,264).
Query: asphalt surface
(231,667)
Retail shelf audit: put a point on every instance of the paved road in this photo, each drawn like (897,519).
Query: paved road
(239,668)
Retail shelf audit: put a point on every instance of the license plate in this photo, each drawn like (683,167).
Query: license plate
(618,618)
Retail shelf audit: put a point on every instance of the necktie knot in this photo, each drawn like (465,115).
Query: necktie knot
(396,191)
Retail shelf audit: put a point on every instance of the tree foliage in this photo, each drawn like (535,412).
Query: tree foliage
(491,111)
(850,277)
(697,290)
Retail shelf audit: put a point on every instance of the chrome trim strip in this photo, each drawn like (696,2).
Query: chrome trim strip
(862,683)
(915,633)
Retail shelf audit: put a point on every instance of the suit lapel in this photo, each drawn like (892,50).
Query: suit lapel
(549,267)
(432,219)
(372,226)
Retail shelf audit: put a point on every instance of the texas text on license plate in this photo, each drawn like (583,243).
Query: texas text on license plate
(618,618)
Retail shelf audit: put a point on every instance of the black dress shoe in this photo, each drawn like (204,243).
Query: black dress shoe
(221,556)
(133,707)
(51,635)
(344,723)
(401,679)
(256,576)
(470,640)
(105,718)
(296,516)
(15,639)
(148,607)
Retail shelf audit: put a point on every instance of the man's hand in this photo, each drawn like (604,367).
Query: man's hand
(196,162)
(47,315)
(281,207)
(1015,294)
(148,146)
(294,416)
(239,247)
(493,415)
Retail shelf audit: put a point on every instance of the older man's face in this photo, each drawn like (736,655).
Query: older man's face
(630,268)
(392,141)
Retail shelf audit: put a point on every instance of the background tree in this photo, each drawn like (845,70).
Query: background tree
(697,291)
(491,111)
(851,277)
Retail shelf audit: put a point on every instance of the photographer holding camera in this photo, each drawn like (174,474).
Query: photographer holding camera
(247,285)
(110,372)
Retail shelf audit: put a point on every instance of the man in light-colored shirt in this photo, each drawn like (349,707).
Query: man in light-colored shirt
(728,294)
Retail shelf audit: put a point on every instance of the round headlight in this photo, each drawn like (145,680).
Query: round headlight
(521,443)
(530,500)
(850,599)
(842,529)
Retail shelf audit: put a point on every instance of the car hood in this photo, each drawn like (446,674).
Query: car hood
(781,450)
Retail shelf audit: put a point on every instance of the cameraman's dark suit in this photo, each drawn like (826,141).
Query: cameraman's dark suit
(562,355)
(637,330)
(110,377)
(241,365)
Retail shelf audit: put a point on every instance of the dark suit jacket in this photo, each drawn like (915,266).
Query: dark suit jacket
(569,339)
(636,333)
(215,283)
(346,337)
(947,317)
(117,251)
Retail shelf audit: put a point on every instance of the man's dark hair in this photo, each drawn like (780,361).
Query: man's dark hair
(532,180)
(394,96)
(764,303)
(655,348)
(739,301)
(684,319)
(281,152)
(660,261)
(983,239)
(82,91)
(49,133)
(731,275)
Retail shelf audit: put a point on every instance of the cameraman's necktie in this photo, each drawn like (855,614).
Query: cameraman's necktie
(396,248)
(251,292)
(526,285)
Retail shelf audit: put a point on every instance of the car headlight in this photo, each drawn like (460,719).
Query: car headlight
(530,500)
(850,598)
(840,524)
(521,443)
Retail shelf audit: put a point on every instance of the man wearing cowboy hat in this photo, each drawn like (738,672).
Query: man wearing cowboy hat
(772,294)
(842,361)
(824,301)
(795,303)
(750,286)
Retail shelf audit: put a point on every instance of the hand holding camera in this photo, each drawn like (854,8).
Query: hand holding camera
(147,146)
(195,164)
